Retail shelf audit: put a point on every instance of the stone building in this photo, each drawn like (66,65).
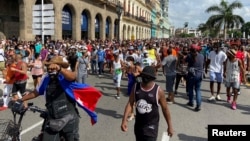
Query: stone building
(79,19)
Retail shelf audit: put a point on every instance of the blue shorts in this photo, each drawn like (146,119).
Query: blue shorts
(215,76)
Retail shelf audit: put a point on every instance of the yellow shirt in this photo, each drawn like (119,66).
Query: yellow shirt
(151,54)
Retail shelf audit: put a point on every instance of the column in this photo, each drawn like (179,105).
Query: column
(58,20)
(25,20)
(76,31)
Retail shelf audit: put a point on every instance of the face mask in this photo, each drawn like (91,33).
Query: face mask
(146,80)
(53,74)
(128,63)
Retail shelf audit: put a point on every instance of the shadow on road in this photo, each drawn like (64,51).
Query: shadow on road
(184,137)
(111,113)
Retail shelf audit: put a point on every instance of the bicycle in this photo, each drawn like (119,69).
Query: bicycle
(10,129)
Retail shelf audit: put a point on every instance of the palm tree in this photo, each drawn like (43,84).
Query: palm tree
(225,17)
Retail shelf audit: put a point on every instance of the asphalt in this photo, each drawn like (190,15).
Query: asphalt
(188,124)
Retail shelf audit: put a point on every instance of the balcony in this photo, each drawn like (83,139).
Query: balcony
(150,4)
(127,14)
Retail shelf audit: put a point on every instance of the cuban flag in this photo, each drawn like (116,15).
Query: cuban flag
(84,95)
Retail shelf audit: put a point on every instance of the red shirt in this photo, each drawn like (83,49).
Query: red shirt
(89,47)
(240,55)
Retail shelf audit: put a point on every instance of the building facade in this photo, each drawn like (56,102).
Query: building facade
(77,19)
(84,19)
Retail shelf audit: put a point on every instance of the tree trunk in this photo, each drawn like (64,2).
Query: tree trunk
(225,31)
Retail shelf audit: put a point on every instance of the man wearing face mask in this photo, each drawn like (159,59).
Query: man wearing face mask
(58,102)
(147,97)
(215,61)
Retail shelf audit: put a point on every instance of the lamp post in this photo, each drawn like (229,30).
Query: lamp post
(119,9)
(151,23)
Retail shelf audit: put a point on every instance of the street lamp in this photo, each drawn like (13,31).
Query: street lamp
(151,23)
(119,9)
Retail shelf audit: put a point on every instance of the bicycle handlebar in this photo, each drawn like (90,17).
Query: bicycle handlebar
(36,109)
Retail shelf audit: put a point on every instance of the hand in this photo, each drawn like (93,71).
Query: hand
(170,132)
(224,75)
(54,67)
(13,69)
(124,127)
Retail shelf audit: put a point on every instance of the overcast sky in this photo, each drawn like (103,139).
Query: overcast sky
(193,11)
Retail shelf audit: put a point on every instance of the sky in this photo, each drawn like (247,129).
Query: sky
(193,11)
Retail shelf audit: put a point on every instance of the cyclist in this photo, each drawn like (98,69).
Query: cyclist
(58,103)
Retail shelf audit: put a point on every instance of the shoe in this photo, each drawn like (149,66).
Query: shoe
(212,98)
(117,97)
(218,98)
(3,108)
(229,99)
(190,104)
(234,106)
(169,101)
(233,94)
(197,108)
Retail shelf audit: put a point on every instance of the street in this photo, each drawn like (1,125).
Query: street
(188,124)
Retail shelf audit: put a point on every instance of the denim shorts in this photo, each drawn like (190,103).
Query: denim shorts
(170,83)
(216,77)
(235,85)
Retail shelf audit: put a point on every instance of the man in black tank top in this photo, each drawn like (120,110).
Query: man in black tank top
(148,96)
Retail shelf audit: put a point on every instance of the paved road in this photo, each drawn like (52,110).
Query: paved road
(188,125)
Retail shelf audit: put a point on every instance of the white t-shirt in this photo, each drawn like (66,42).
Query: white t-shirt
(146,62)
(216,61)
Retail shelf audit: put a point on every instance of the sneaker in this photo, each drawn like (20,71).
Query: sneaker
(3,108)
(190,104)
(117,97)
(229,99)
(218,98)
(212,98)
(197,108)
(169,101)
(234,106)
(233,93)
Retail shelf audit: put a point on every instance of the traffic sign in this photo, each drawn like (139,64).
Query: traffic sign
(45,32)
(45,7)
(43,19)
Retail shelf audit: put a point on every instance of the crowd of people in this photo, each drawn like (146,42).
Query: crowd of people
(184,61)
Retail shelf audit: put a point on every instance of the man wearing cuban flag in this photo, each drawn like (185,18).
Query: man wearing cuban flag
(62,94)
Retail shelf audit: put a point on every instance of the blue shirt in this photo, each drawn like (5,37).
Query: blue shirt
(101,55)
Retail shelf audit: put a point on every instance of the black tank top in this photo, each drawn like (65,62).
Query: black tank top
(147,111)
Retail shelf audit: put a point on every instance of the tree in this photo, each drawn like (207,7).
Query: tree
(246,28)
(225,18)
(207,30)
